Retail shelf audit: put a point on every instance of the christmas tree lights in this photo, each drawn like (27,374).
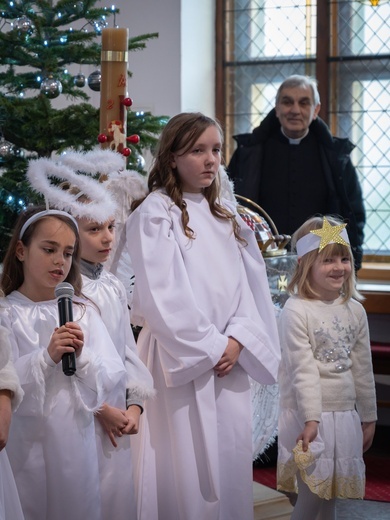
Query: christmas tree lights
(40,42)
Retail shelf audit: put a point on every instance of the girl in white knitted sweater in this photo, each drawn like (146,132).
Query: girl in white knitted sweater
(327,391)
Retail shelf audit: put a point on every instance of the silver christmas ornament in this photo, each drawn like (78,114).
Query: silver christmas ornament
(24,26)
(19,152)
(6,148)
(94,80)
(51,87)
(140,161)
(79,6)
(79,80)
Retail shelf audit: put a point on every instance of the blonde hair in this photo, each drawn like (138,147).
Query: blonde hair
(300,282)
(180,133)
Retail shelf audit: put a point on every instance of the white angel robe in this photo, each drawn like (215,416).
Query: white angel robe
(195,454)
(52,445)
(10,507)
(115,464)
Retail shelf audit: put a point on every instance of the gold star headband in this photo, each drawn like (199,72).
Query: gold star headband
(320,238)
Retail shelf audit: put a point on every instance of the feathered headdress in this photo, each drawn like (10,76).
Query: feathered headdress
(125,187)
(78,169)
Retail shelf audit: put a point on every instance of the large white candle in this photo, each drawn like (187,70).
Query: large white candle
(113,87)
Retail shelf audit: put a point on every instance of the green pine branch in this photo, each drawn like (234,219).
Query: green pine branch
(30,126)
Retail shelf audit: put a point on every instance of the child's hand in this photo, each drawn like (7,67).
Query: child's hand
(368,434)
(5,416)
(229,357)
(309,433)
(133,414)
(67,338)
(113,421)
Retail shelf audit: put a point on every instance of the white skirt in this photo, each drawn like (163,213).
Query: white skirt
(333,466)
(9,499)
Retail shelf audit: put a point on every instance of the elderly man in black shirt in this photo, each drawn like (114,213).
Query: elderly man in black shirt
(294,168)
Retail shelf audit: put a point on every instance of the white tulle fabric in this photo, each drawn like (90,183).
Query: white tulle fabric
(10,507)
(52,447)
(333,467)
(115,464)
(109,296)
(265,412)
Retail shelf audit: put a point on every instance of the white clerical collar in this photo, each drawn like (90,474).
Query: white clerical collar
(294,141)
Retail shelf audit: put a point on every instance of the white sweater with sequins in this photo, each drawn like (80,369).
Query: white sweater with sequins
(326,359)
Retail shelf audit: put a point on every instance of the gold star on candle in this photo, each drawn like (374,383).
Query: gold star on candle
(330,234)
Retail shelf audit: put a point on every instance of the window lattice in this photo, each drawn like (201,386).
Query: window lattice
(268,40)
(360,70)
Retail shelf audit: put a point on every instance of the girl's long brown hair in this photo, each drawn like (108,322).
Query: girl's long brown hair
(180,134)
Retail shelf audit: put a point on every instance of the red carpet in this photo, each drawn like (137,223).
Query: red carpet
(377,478)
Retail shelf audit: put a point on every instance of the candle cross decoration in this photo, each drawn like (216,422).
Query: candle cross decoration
(114,100)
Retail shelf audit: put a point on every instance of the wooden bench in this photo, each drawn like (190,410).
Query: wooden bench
(377,305)
(380,357)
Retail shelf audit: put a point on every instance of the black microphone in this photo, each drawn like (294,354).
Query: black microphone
(64,293)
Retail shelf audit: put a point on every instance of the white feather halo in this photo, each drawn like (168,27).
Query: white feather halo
(102,206)
(126,187)
(227,186)
(97,161)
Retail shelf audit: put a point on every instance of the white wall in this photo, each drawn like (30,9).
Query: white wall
(176,71)
(198,56)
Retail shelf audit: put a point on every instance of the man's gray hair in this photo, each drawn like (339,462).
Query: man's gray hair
(299,81)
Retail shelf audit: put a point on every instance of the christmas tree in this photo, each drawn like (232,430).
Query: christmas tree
(38,42)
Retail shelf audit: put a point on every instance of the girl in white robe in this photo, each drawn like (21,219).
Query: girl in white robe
(93,206)
(202,298)
(11,395)
(120,415)
(52,446)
